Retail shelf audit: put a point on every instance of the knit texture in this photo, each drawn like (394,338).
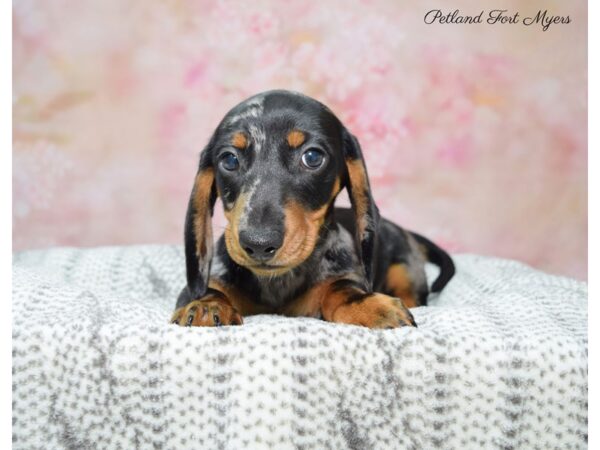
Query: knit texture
(499,360)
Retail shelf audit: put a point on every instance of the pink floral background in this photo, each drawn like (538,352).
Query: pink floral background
(474,135)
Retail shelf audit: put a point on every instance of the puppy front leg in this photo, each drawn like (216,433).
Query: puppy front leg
(212,310)
(346,301)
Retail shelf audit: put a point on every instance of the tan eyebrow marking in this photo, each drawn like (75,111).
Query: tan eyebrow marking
(295,138)
(239,140)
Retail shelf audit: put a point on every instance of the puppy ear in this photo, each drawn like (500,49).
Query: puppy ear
(198,227)
(365,210)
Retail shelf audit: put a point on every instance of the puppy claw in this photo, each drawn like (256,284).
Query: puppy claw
(209,312)
(190,317)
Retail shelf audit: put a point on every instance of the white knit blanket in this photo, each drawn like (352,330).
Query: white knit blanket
(499,361)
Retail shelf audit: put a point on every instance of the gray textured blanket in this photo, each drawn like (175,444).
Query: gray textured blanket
(499,361)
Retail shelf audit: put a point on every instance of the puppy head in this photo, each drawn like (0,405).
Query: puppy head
(277,160)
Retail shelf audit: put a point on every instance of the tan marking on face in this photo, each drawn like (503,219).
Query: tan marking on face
(300,235)
(360,188)
(337,187)
(202,226)
(232,230)
(398,282)
(239,140)
(295,138)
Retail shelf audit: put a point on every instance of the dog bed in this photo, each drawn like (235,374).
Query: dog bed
(499,360)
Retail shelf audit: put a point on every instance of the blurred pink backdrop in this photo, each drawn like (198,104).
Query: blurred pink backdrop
(474,135)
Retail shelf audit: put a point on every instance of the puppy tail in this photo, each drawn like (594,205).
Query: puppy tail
(440,258)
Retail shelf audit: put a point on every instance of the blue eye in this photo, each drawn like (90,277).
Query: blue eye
(229,161)
(313,158)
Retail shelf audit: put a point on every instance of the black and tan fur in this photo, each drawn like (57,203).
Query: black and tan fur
(287,249)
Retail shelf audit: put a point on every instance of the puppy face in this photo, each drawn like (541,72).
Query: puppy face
(278,166)
(277,160)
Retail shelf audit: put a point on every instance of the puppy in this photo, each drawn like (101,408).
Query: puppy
(278,160)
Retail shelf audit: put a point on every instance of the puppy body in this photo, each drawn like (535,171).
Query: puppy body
(278,161)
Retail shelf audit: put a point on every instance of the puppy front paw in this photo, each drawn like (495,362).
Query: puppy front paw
(375,311)
(207,312)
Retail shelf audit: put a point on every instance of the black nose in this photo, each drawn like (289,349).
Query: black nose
(260,245)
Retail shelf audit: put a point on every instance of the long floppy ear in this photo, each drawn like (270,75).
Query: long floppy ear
(198,227)
(365,209)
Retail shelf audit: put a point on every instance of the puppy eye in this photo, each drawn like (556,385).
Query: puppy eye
(229,161)
(313,158)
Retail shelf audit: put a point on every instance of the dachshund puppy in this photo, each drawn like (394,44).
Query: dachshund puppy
(278,161)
